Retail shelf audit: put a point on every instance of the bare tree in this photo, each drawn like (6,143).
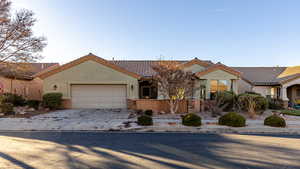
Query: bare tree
(4,9)
(174,83)
(17,41)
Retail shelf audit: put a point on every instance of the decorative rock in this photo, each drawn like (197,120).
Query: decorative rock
(30,110)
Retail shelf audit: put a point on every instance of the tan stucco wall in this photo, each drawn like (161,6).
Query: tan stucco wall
(29,89)
(243,86)
(89,72)
(220,75)
(194,68)
(263,90)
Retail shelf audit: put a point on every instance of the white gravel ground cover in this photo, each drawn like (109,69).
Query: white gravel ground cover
(107,120)
(70,120)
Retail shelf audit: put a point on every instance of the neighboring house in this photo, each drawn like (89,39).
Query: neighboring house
(22,79)
(93,82)
(275,82)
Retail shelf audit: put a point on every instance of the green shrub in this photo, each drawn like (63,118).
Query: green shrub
(148,112)
(7,108)
(52,100)
(145,120)
(226,100)
(261,103)
(232,119)
(14,99)
(275,104)
(191,119)
(33,103)
(274,121)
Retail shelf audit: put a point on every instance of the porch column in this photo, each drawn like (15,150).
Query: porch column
(284,96)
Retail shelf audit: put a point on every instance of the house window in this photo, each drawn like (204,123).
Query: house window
(218,86)
(146,91)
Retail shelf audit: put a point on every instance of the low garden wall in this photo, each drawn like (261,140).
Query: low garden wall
(156,105)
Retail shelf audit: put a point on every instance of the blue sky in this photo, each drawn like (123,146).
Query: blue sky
(234,32)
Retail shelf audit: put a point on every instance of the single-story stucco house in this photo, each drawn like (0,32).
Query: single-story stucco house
(21,79)
(93,82)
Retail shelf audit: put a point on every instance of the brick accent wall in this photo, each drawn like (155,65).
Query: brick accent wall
(131,104)
(159,105)
(67,104)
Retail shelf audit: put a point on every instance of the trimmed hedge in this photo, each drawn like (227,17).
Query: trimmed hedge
(145,120)
(274,121)
(52,100)
(191,119)
(148,112)
(7,108)
(16,100)
(276,104)
(33,103)
(232,119)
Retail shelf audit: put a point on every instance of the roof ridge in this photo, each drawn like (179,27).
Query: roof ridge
(148,60)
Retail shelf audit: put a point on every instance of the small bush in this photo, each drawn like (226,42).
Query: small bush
(145,120)
(14,99)
(148,112)
(33,103)
(226,99)
(261,103)
(275,121)
(232,119)
(276,104)
(191,119)
(7,108)
(52,100)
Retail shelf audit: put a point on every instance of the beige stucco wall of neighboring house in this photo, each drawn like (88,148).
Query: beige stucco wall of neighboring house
(243,86)
(263,90)
(194,68)
(220,75)
(29,89)
(89,72)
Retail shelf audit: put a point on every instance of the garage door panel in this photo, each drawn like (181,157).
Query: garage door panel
(98,96)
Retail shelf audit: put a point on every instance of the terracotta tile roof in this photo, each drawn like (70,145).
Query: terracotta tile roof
(144,67)
(255,75)
(25,71)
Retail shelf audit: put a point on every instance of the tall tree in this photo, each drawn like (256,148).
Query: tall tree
(174,83)
(17,41)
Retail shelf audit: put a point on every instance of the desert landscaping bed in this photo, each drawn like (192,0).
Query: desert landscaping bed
(121,120)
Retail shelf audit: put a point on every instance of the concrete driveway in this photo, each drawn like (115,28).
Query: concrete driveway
(89,119)
(71,150)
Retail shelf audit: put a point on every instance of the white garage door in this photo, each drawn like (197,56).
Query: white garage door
(98,96)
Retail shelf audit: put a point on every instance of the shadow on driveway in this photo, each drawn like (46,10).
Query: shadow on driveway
(147,150)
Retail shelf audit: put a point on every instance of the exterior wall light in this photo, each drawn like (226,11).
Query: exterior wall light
(131,86)
(55,87)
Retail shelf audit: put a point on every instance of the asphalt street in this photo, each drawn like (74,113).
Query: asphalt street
(57,150)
